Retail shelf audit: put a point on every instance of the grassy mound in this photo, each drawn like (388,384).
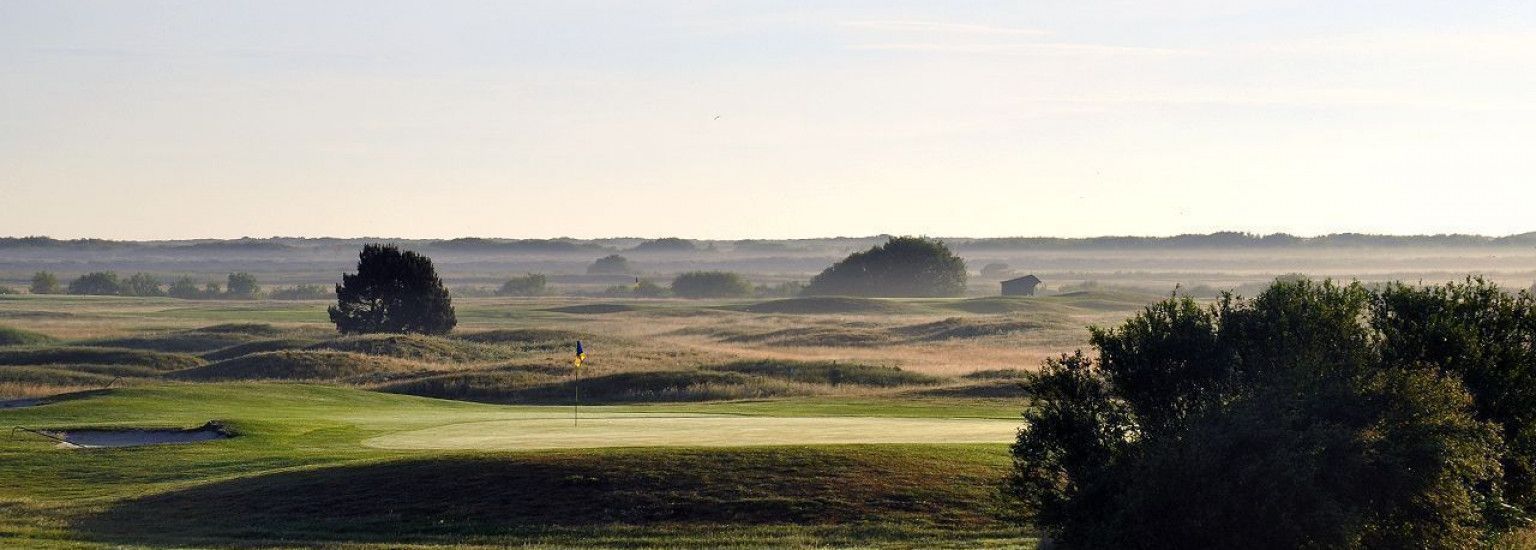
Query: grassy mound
(421,499)
(64,355)
(488,386)
(997,374)
(993,305)
(300,365)
(827,372)
(828,304)
(593,309)
(51,376)
(960,327)
(994,389)
(247,329)
(258,346)
(175,342)
(17,337)
(415,347)
(541,339)
(814,336)
(659,386)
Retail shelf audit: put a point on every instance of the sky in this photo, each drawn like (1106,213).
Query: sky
(753,119)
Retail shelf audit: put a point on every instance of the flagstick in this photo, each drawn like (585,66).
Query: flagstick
(576,411)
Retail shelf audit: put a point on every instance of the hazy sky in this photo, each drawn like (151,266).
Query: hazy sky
(765,119)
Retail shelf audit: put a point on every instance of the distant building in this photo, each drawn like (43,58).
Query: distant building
(1022,286)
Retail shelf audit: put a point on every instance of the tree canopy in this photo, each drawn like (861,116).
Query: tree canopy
(612,264)
(711,284)
(392,291)
(1315,415)
(902,267)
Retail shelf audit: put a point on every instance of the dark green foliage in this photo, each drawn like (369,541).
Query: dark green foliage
(17,337)
(902,267)
(531,284)
(645,288)
(711,284)
(829,372)
(612,264)
(44,282)
(666,244)
(142,284)
(242,286)
(392,291)
(302,292)
(184,288)
(1315,416)
(101,283)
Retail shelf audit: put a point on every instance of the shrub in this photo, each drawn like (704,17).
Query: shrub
(7,290)
(903,266)
(44,282)
(666,244)
(142,284)
(242,286)
(302,292)
(612,264)
(1315,415)
(531,284)
(184,288)
(392,291)
(102,283)
(711,284)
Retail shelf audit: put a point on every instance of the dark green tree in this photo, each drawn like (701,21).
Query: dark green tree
(44,282)
(1287,421)
(242,286)
(102,283)
(903,266)
(612,264)
(184,288)
(142,284)
(392,291)
(531,284)
(711,284)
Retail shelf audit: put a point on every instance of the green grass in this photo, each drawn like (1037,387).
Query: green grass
(298,473)
(16,337)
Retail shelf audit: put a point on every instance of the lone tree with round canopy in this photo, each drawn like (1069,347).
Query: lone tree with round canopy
(902,267)
(392,291)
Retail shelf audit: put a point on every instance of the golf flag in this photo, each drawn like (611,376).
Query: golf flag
(580,355)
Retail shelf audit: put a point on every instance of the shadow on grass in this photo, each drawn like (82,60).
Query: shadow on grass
(476,497)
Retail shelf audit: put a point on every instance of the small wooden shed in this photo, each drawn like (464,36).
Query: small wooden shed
(1022,286)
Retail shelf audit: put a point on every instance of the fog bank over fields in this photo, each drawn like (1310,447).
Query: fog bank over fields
(1202,262)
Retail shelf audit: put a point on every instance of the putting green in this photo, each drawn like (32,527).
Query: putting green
(651,430)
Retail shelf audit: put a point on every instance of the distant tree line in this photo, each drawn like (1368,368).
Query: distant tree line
(238,286)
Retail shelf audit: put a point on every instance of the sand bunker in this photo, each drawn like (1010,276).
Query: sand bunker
(91,439)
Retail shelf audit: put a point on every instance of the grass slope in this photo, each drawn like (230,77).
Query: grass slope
(298,475)
(16,337)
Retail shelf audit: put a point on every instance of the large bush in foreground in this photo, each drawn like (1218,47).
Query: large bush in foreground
(392,291)
(1315,415)
(903,266)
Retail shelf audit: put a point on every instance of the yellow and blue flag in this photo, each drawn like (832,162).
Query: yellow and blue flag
(580,355)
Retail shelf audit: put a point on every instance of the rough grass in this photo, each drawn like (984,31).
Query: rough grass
(415,347)
(487,386)
(997,374)
(828,305)
(828,372)
(301,365)
(961,327)
(993,305)
(813,336)
(258,346)
(539,339)
(991,389)
(176,342)
(16,337)
(647,387)
(65,355)
(593,309)
(52,377)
